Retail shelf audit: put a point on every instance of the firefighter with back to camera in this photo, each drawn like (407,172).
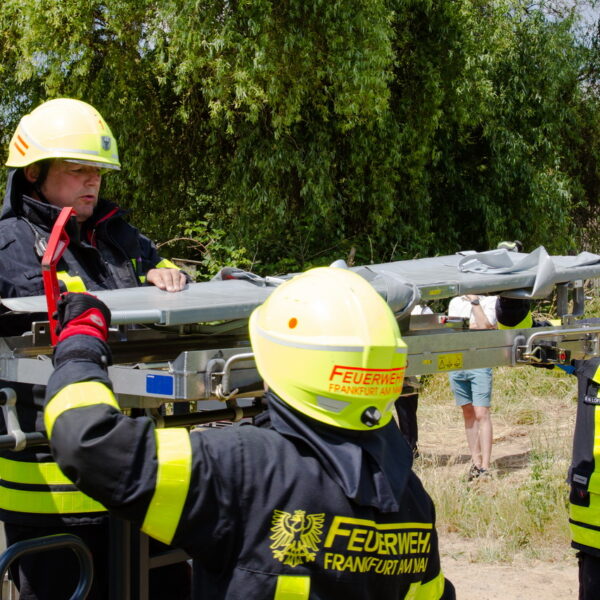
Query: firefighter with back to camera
(316,500)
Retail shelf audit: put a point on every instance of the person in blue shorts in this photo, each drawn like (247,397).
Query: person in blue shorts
(472,389)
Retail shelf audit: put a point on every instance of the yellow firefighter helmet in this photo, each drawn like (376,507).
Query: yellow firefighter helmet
(329,346)
(64,128)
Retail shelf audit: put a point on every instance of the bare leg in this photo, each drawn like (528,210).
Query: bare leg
(472,431)
(483,416)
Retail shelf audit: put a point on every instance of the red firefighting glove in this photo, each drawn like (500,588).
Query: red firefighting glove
(81,314)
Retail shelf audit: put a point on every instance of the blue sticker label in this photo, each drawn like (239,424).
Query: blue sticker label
(159,384)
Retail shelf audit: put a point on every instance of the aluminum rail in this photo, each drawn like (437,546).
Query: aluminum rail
(221,373)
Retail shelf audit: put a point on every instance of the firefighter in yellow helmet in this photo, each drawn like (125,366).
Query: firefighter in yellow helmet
(316,500)
(57,157)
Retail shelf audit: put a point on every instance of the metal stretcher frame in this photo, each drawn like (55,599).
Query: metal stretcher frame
(402,284)
(191,352)
(196,350)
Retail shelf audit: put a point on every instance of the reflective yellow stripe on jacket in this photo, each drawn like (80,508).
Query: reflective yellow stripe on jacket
(23,474)
(584,521)
(35,501)
(166,264)
(77,395)
(292,587)
(526,323)
(73,284)
(47,473)
(432,590)
(163,264)
(32,474)
(174,456)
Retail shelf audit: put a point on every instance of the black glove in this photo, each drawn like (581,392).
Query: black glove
(81,314)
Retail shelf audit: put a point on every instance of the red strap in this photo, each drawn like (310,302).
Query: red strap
(57,244)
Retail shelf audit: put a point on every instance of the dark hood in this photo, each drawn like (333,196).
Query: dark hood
(372,467)
(15,188)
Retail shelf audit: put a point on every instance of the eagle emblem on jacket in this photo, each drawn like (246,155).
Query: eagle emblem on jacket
(296,537)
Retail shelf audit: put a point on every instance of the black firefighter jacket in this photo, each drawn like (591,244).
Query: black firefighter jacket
(256,509)
(584,472)
(107,253)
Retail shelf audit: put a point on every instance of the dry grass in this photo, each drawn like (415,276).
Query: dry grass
(522,512)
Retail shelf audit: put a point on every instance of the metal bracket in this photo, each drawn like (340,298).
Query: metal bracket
(542,347)
(222,377)
(234,406)
(562,299)
(213,375)
(592,344)
(8,397)
(517,344)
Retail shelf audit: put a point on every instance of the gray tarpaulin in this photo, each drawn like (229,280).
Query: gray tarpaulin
(402,284)
(501,262)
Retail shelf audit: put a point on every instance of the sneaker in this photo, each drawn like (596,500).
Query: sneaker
(473,472)
(478,473)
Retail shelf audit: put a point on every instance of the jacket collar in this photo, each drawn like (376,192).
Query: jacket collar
(372,467)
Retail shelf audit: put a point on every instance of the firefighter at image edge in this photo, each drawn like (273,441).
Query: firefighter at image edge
(584,472)
(57,158)
(316,499)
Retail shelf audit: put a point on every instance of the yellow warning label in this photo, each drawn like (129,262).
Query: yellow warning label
(449,362)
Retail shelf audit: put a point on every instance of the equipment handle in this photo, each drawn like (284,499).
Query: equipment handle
(54,542)
(57,244)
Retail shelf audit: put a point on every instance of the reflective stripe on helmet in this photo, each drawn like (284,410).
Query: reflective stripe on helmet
(296,344)
(174,457)
(77,395)
(319,347)
(91,163)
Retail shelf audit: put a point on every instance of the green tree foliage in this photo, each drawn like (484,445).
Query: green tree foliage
(284,133)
